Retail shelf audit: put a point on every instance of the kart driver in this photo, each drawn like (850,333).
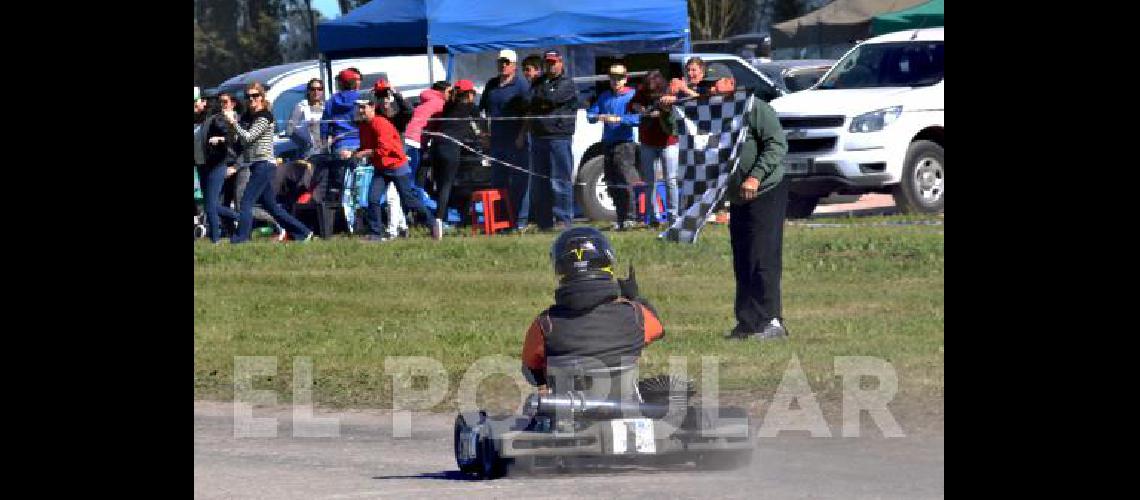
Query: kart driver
(593,314)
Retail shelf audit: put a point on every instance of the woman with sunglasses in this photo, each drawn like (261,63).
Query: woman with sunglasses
(306,119)
(217,146)
(258,138)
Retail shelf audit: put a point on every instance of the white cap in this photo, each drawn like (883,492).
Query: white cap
(509,55)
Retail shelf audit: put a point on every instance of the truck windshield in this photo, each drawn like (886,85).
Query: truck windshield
(896,64)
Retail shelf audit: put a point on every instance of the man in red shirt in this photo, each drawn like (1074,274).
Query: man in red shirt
(380,142)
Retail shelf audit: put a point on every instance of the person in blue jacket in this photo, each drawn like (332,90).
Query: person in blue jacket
(338,123)
(617,139)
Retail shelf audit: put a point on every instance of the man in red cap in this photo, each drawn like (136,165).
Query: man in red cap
(391,104)
(460,123)
(338,121)
(554,106)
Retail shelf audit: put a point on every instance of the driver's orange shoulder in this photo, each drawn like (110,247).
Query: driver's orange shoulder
(653,328)
(534,345)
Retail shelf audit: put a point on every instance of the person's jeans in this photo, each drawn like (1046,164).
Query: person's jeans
(445,165)
(668,158)
(553,198)
(212,178)
(240,183)
(413,154)
(756,232)
(619,157)
(515,182)
(259,189)
(408,199)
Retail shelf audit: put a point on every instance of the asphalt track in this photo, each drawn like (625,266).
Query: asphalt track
(366,461)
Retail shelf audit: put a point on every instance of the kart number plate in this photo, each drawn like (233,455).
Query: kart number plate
(632,435)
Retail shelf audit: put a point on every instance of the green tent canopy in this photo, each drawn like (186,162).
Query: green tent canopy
(927,15)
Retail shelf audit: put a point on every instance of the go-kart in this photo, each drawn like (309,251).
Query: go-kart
(604,416)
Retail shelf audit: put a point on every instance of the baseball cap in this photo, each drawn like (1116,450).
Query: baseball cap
(381,84)
(464,85)
(509,55)
(618,70)
(552,55)
(348,74)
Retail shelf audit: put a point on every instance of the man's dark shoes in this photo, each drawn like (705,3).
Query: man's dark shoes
(774,329)
(738,334)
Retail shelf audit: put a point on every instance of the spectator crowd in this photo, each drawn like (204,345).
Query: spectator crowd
(524,119)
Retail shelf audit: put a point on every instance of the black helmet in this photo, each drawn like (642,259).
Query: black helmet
(582,253)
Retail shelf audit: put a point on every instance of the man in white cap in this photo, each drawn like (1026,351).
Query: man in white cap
(507,95)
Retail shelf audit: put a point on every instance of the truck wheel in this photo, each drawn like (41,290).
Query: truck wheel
(591,191)
(801,206)
(922,189)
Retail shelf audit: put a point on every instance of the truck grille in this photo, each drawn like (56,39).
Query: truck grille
(811,145)
(811,121)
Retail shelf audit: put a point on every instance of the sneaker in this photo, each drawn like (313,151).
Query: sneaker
(437,229)
(282,236)
(619,226)
(775,329)
(377,238)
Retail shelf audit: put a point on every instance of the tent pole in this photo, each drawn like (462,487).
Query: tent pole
(450,64)
(327,76)
(431,67)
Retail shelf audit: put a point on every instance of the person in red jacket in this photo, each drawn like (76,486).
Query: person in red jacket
(594,315)
(380,143)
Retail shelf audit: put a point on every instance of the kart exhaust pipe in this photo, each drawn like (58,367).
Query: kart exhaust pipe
(576,404)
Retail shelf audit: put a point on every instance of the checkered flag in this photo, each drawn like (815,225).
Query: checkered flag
(709,147)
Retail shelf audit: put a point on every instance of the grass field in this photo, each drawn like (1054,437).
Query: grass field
(872,289)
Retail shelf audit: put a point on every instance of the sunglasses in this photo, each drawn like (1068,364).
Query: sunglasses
(255,95)
(316,88)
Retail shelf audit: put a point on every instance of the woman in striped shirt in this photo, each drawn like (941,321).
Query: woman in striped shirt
(258,139)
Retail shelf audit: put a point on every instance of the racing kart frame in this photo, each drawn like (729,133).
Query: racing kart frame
(596,415)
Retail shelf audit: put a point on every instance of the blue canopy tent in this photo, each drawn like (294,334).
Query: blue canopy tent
(390,27)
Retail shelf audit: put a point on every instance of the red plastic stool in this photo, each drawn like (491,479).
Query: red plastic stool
(490,224)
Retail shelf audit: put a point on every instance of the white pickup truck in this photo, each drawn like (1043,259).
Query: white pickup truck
(874,123)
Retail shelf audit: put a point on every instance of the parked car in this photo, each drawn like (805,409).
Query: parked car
(874,123)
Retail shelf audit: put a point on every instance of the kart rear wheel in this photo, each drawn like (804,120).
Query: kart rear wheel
(466,465)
